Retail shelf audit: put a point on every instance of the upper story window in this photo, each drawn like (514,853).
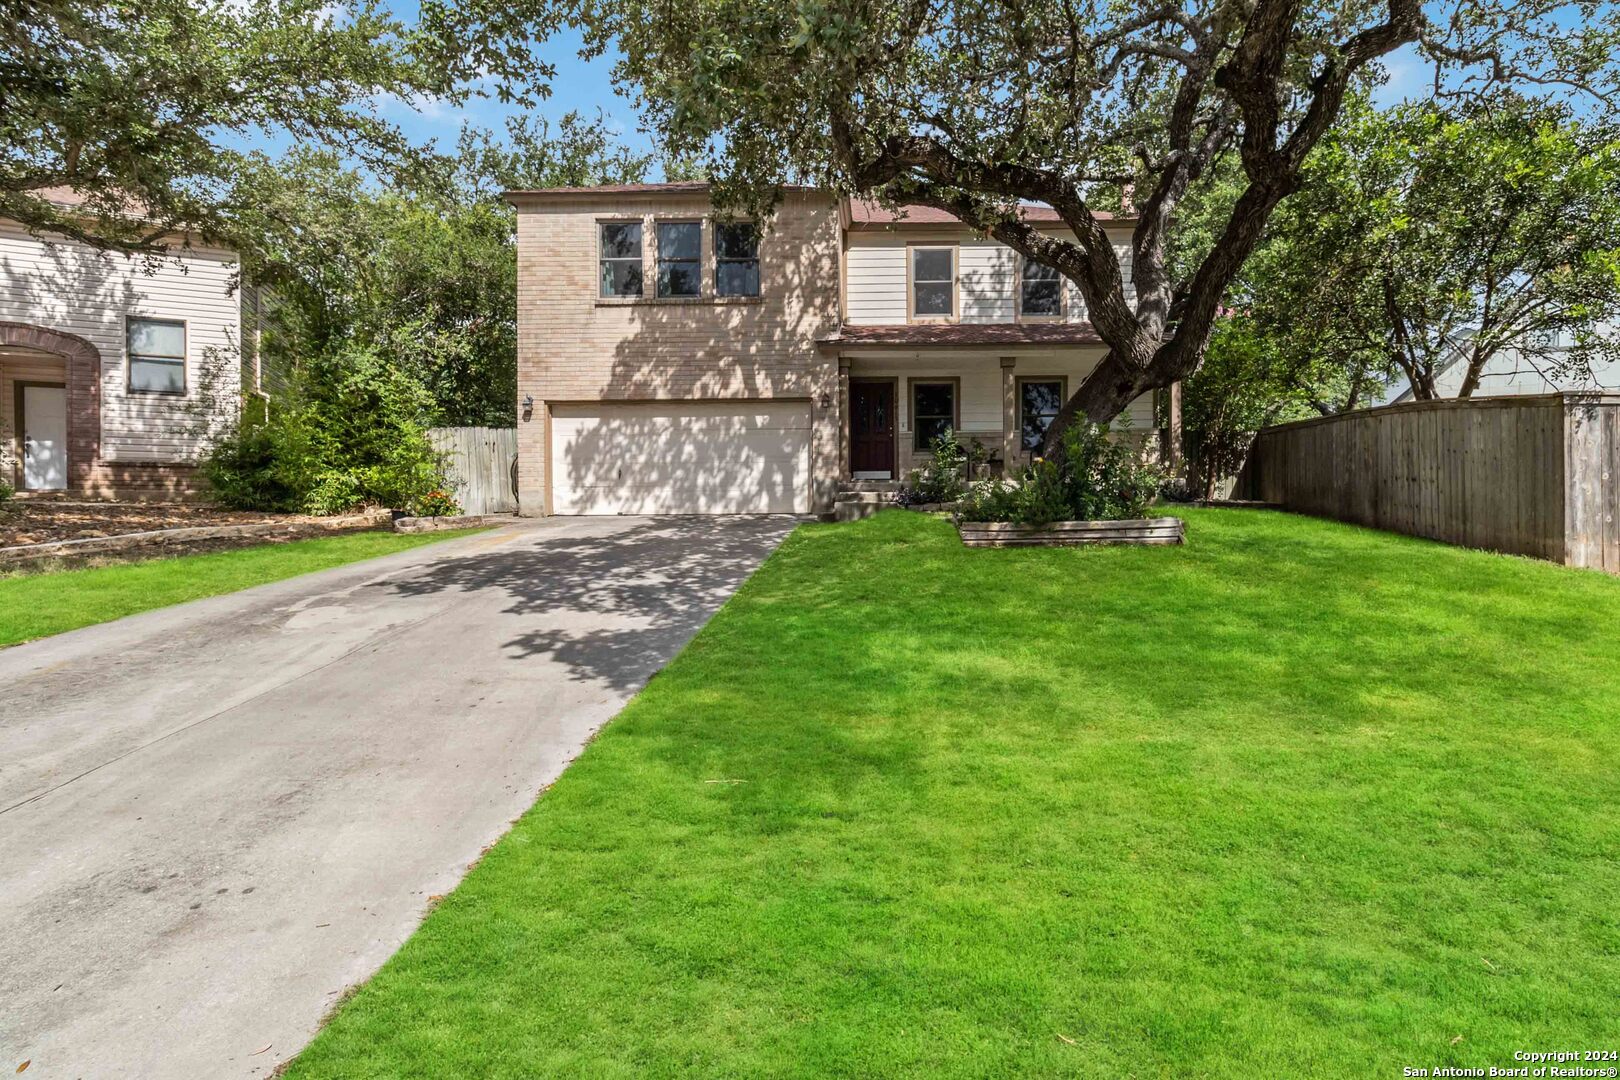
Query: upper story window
(736,259)
(933,282)
(619,244)
(157,355)
(680,258)
(1040,289)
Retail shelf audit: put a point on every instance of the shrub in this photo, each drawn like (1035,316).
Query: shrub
(941,480)
(6,492)
(437,503)
(1096,478)
(351,433)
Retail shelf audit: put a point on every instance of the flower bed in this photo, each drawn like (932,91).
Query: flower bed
(1164,530)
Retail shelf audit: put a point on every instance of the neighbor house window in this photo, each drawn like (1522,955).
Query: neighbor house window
(680,258)
(1038,402)
(157,355)
(736,259)
(933,411)
(1040,289)
(620,243)
(933,282)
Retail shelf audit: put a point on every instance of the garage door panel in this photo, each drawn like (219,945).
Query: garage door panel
(681,458)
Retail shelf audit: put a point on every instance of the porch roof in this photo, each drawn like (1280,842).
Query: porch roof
(967,335)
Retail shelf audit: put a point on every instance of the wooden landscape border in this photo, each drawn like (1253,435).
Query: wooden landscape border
(1162,530)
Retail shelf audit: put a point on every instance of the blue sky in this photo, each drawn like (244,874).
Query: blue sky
(580,85)
(587,86)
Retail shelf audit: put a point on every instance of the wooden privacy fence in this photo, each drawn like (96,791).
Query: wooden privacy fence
(1523,475)
(482,466)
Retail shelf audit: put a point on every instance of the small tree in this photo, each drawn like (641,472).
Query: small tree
(1426,236)
(1244,385)
(351,433)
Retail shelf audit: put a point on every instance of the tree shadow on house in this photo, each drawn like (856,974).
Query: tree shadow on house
(610,602)
(721,351)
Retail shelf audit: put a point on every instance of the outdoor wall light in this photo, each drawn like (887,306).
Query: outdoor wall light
(528,406)
(826,401)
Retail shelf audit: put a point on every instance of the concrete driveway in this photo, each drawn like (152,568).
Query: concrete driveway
(216,817)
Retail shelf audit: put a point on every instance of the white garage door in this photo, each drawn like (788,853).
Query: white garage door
(681,458)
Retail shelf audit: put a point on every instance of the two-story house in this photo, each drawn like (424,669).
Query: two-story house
(113,372)
(673,361)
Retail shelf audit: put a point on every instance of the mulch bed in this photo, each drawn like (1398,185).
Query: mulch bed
(38,521)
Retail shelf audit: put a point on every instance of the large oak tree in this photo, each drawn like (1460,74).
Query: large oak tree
(972,106)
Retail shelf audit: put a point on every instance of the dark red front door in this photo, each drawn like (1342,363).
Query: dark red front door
(871,427)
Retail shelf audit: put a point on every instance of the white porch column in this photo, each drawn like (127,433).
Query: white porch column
(1011,443)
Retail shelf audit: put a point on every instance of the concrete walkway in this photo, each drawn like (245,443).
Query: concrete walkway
(215,817)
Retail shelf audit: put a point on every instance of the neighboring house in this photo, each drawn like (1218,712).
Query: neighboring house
(1511,372)
(670,361)
(112,378)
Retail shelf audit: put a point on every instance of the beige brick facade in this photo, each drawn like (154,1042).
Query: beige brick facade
(576,347)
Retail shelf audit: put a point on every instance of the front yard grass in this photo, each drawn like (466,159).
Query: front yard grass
(1298,799)
(38,605)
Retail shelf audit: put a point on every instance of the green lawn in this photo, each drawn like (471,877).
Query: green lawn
(1298,799)
(37,605)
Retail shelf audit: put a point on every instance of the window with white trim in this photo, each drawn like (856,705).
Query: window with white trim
(933,282)
(157,355)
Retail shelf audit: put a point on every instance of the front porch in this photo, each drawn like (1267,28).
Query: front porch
(895,402)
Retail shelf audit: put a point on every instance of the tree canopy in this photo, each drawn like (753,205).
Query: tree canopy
(973,106)
(142,107)
(1424,236)
(423,272)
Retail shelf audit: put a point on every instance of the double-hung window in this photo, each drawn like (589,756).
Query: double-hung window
(1038,403)
(619,249)
(1040,289)
(157,355)
(680,258)
(933,282)
(933,411)
(736,258)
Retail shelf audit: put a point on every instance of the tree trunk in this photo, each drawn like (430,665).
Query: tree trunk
(1100,397)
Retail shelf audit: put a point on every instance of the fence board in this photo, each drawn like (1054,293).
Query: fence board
(1534,475)
(479,462)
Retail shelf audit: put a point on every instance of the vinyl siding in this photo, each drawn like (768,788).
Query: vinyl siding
(67,287)
(875,263)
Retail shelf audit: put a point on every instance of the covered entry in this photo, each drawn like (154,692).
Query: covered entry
(681,457)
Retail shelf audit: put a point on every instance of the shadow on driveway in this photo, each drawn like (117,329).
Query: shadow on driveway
(637,593)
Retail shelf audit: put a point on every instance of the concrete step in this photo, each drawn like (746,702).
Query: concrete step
(869,485)
(855,510)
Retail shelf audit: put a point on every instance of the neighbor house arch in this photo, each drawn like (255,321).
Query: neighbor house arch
(83,376)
